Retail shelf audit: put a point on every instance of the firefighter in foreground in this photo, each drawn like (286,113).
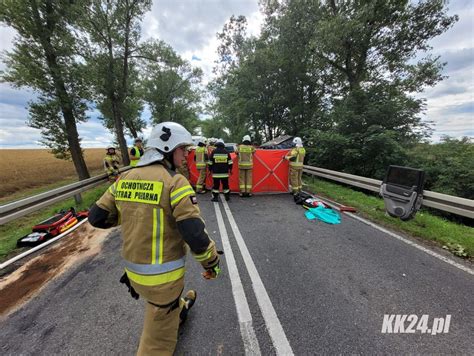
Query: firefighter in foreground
(245,152)
(159,218)
(296,158)
(200,156)
(111,164)
(220,164)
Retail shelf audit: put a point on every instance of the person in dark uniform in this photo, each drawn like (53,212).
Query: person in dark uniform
(220,165)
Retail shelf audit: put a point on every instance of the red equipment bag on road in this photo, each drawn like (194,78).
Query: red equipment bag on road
(270,172)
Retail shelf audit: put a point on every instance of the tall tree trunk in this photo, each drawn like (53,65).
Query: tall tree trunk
(116,108)
(65,100)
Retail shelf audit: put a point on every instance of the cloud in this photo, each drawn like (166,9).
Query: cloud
(190,27)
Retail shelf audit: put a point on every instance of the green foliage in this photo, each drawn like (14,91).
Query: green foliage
(170,85)
(341,74)
(44,58)
(111,34)
(45,115)
(214,127)
(448,165)
(457,238)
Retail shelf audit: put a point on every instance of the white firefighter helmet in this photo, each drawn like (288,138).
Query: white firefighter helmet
(138,139)
(246,138)
(220,141)
(297,141)
(110,147)
(164,138)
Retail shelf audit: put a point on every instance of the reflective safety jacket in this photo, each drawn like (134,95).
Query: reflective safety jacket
(245,153)
(159,215)
(111,163)
(220,163)
(296,157)
(200,157)
(137,154)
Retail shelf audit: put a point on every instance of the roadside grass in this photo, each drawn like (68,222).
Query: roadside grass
(12,231)
(457,238)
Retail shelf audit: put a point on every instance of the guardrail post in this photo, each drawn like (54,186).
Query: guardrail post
(78,198)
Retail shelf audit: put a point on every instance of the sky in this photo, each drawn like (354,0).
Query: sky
(190,27)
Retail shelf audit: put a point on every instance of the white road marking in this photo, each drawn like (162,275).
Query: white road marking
(411,243)
(401,238)
(275,330)
(243,311)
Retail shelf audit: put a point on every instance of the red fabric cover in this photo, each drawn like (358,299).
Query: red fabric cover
(270,172)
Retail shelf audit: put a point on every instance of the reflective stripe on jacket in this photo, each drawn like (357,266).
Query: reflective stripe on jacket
(245,153)
(148,202)
(296,157)
(200,157)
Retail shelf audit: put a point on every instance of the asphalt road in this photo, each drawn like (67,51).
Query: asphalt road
(329,286)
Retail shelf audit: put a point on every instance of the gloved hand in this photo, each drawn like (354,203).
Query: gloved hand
(212,273)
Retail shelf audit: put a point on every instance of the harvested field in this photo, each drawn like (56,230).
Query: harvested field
(33,168)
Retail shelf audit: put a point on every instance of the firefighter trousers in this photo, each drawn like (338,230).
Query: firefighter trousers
(217,184)
(245,180)
(201,181)
(296,183)
(161,323)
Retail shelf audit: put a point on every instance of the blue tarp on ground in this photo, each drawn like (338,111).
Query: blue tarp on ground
(324,214)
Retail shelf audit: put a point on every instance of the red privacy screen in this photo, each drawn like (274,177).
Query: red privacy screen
(270,172)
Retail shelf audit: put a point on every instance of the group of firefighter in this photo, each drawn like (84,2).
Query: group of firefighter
(211,155)
(160,221)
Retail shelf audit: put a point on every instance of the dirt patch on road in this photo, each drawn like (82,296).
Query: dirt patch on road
(27,281)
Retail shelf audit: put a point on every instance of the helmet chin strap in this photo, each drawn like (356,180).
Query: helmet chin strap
(168,157)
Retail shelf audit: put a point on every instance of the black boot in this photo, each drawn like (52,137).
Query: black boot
(227,196)
(188,302)
(215,197)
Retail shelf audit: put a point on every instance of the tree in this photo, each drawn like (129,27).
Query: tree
(336,70)
(170,85)
(113,29)
(44,58)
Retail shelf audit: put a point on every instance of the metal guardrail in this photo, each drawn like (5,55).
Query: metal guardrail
(444,202)
(22,207)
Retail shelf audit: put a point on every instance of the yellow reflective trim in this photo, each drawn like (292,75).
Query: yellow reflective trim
(139,191)
(162,229)
(189,191)
(245,149)
(220,159)
(203,256)
(153,239)
(177,191)
(156,279)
